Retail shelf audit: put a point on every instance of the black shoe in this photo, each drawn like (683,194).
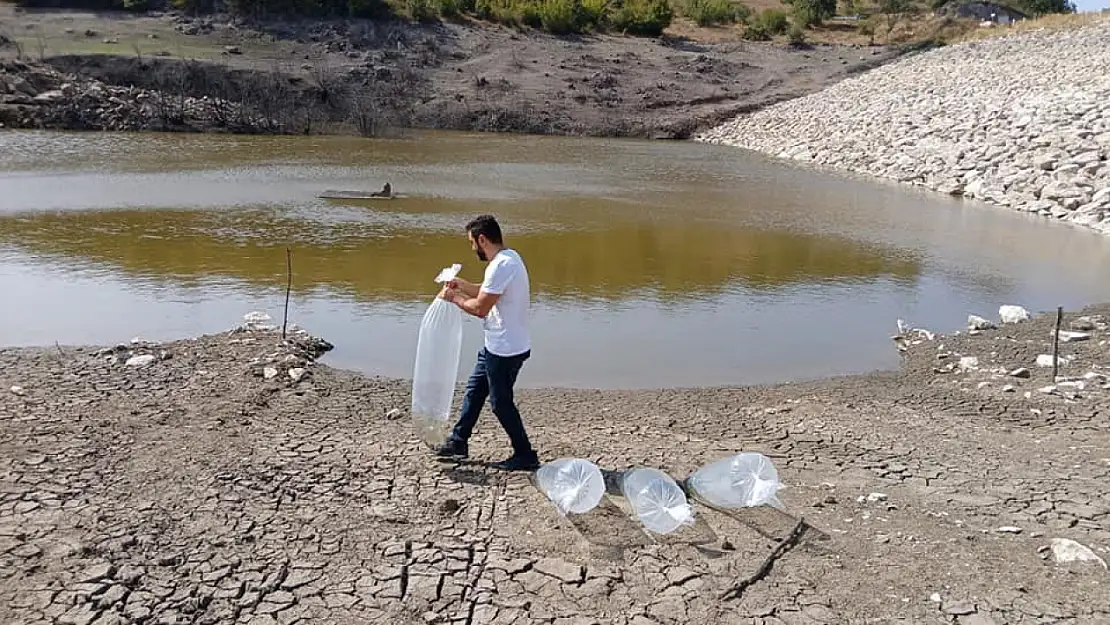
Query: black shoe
(453,449)
(528,462)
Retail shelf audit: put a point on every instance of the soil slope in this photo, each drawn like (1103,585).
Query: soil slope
(452,76)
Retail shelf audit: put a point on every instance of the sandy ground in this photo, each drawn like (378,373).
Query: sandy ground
(474,76)
(193,489)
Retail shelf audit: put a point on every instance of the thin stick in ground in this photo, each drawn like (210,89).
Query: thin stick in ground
(1056,343)
(288,289)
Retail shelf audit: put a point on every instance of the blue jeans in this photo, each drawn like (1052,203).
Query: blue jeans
(494,377)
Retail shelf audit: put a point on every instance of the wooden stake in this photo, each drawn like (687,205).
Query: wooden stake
(1056,343)
(288,288)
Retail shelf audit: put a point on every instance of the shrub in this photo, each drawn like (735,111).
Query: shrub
(560,16)
(642,17)
(773,20)
(595,14)
(796,35)
(450,8)
(811,12)
(709,12)
(420,10)
(756,32)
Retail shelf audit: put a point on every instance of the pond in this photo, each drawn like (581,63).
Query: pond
(653,264)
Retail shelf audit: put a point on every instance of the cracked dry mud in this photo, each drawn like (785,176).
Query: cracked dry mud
(199,486)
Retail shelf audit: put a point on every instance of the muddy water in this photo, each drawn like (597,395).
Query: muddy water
(652,264)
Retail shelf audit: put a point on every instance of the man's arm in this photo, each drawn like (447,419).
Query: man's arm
(469,289)
(478,306)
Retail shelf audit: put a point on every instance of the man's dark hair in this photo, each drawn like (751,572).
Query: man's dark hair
(485,225)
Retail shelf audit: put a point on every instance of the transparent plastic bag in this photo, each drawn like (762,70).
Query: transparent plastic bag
(745,480)
(657,499)
(572,484)
(437,364)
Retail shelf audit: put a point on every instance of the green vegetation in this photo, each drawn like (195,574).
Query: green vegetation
(881,18)
(714,12)
(634,17)
(811,12)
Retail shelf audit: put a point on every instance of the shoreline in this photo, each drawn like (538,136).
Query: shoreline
(194,483)
(972,119)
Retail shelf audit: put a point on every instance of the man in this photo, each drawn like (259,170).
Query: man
(502,302)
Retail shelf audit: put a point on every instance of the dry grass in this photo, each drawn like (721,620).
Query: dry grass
(1048,23)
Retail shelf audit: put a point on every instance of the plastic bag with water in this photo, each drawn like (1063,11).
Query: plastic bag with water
(437,363)
(657,499)
(745,480)
(572,484)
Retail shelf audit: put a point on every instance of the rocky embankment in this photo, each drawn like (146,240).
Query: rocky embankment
(34,95)
(1021,121)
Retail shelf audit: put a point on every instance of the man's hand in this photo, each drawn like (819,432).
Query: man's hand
(447,293)
(464,288)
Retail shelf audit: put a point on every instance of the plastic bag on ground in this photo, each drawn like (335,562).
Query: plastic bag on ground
(745,480)
(572,484)
(657,499)
(437,363)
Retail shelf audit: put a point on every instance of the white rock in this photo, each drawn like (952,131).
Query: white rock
(17,390)
(1065,550)
(969,362)
(1009,529)
(296,373)
(1045,360)
(269,373)
(975,322)
(140,361)
(1071,337)
(256,317)
(1012,314)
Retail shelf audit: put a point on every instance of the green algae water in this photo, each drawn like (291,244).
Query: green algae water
(653,264)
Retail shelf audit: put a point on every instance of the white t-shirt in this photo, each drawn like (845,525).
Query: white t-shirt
(506,325)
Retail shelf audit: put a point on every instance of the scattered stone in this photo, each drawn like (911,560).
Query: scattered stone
(1072,337)
(140,361)
(975,322)
(1022,372)
(969,362)
(977,618)
(1045,360)
(296,373)
(96,572)
(560,569)
(1083,324)
(962,116)
(269,373)
(1012,314)
(1009,529)
(959,608)
(18,390)
(1065,550)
